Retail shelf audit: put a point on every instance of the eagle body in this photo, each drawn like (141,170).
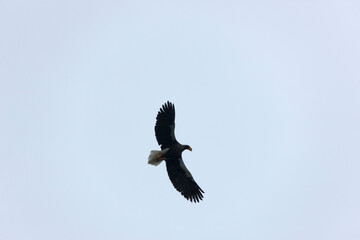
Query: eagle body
(171,151)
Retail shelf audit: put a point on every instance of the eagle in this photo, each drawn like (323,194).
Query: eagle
(171,151)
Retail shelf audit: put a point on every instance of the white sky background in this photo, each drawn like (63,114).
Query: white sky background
(266,94)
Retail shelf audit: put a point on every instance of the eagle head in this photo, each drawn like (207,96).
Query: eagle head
(187,147)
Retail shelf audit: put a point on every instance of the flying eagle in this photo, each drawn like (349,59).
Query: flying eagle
(171,151)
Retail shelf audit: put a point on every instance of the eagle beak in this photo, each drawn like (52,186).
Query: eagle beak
(190,149)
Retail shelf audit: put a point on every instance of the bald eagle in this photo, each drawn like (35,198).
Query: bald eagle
(171,151)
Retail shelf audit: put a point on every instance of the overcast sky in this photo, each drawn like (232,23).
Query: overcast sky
(267,94)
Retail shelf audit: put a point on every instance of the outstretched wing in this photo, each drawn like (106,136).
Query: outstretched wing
(165,125)
(182,180)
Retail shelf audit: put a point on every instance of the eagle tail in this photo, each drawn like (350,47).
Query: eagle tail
(155,157)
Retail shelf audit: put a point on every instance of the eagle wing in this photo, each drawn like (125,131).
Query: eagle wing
(165,125)
(182,180)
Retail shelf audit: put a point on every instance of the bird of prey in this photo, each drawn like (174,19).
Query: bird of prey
(171,151)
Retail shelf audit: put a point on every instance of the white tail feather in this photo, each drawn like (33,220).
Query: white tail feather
(154,158)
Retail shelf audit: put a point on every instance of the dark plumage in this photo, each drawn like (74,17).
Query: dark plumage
(171,151)
(165,125)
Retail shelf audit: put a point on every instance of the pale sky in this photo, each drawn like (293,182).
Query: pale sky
(266,94)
